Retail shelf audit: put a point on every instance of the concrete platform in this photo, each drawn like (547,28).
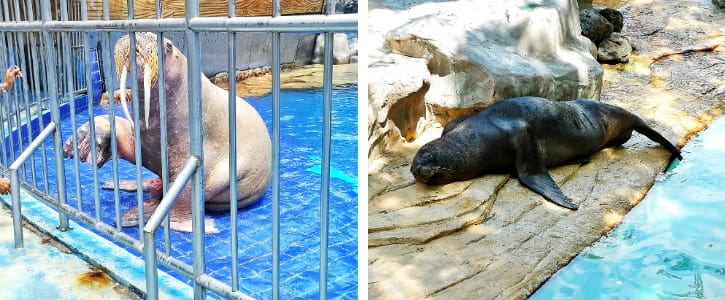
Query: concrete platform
(46,269)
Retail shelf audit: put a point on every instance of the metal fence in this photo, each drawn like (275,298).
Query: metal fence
(51,42)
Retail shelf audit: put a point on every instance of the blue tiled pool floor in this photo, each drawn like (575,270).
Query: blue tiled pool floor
(671,246)
(301,125)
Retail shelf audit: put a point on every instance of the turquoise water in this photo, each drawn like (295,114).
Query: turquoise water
(671,246)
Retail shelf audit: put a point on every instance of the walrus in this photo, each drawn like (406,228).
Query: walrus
(254,148)
(525,136)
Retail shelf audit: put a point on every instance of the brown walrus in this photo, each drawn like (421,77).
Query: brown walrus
(254,150)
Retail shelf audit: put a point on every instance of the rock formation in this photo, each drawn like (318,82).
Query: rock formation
(478,53)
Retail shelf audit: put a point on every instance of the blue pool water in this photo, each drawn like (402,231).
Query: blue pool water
(300,151)
(671,246)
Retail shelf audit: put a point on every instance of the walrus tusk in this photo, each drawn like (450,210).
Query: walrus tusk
(146,92)
(122,87)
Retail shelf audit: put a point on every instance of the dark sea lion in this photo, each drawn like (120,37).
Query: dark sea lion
(254,148)
(524,136)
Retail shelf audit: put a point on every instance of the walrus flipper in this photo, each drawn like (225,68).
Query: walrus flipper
(130,219)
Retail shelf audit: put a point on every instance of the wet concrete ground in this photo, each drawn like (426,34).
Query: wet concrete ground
(45,269)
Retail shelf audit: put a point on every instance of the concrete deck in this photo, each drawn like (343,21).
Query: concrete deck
(66,265)
(46,269)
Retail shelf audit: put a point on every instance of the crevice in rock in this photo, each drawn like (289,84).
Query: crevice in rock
(406,112)
(454,283)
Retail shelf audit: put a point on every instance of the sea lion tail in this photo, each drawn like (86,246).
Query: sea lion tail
(644,129)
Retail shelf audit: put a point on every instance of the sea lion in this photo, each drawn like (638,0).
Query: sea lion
(254,148)
(525,136)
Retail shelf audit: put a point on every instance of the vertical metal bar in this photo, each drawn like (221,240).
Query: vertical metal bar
(3,119)
(196,140)
(150,262)
(233,193)
(8,114)
(164,133)
(326,141)
(15,105)
(136,117)
(325,188)
(19,38)
(26,100)
(276,12)
(55,117)
(66,53)
(106,54)
(37,91)
(91,113)
(17,212)
(38,95)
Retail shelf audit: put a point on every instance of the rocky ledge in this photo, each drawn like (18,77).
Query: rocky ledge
(491,238)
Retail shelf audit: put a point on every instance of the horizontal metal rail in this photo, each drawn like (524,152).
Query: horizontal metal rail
(15,180)
(301,23)
(221,288)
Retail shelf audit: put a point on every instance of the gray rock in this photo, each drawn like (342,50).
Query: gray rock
(719,3)
(305,48)
(346,7)
(481,52)
(616,48)
(396,95)
(340,51)
(594,25)
(614,17)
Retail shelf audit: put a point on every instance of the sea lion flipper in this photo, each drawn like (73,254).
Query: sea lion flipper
(544,185)
(533,174)
(652,134)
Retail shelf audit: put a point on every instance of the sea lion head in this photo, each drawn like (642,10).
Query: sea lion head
(435,164)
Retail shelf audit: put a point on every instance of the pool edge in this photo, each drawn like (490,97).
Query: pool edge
(119,263)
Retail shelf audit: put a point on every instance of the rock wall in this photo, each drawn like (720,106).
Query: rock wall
(476,53)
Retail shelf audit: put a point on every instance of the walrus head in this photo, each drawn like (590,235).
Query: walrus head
(148,66)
